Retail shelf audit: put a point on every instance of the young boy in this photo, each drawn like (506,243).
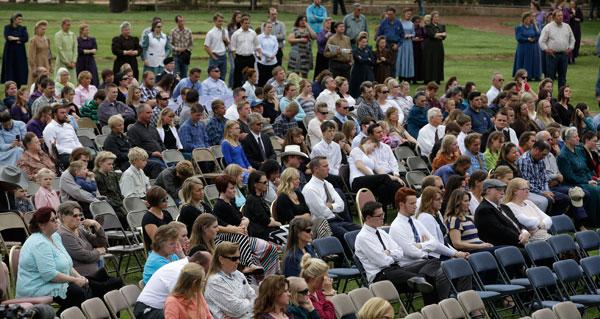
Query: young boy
(464,121)
(22,201)
(83,177)
(134,182)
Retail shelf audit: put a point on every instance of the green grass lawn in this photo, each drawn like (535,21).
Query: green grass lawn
(471,55)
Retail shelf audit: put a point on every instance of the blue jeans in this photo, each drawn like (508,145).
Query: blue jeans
(180,68)
(221,62)
(156,70)
(556,66)
(598,84)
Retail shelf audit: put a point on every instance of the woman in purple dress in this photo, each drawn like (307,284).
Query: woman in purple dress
(87,47)
(418,48)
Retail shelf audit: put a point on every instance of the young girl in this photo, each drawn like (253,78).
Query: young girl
(383,61)
(45,196)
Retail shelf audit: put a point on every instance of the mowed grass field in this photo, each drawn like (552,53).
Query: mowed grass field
(471,55)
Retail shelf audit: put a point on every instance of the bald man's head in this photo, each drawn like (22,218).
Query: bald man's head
(202,258)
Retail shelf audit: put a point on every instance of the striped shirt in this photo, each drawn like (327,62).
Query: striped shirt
(468,230)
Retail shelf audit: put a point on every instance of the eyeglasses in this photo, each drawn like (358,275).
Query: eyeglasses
(524,77)
(378,216)
(232,258)
(524,189)
(396,86)
(346,107)
(385,92)
(307,230)
(303,292)
(501,80)
(244,97)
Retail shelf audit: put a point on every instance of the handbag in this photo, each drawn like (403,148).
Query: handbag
(185,56)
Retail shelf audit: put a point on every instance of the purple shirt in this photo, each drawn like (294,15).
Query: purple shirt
(36,127)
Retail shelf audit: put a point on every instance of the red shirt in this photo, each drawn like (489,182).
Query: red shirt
(324,307)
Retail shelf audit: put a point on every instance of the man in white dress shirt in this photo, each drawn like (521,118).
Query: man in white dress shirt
(365,122)
(497,81)
(382,258)
(385,161)
(323,201)
(239,96)
(432,132)
(151,301)
(331,150)
(60,133)
(215,44)
(329,95)
(420,248)
(244,45)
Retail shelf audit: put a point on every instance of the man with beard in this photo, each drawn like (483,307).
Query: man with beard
(61,134)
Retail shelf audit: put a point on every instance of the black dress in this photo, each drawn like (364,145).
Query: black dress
(286,210)
(189,213)
(362,70)
(86,62)
(121,44)
(14,57)
(259,214)
(151,219)
(418,54)
(434,53)
(561,114)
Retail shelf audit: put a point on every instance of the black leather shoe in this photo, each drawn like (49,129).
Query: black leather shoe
(419,284)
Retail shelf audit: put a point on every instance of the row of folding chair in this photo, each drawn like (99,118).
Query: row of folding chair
(562,310)
(467,304)
(115,302)
(351,303)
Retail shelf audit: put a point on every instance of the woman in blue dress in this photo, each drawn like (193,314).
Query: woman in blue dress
(232,150)
(528,54)
(14,58)
(405,63)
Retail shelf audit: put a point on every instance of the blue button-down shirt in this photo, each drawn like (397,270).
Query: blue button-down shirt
(193,135)
(393,31)
(344,119)
(186,83)
(480,121)
(534,172)
(215,129)
(315,15)
(212,87)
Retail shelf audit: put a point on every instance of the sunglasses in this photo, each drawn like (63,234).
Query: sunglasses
(263,182)
(303,292)
(232,258)
(53,219)
(324,113)
(308,230)
(165,200)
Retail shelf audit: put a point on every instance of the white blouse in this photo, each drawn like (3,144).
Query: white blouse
(357,154)
(530,215)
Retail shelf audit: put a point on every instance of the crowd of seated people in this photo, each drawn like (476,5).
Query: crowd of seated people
(289,159)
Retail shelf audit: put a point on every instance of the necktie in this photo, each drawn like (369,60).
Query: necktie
(414,230)
(380,240)
(437,138)
(509,219)
(262,149)
(506,133)
(329,198)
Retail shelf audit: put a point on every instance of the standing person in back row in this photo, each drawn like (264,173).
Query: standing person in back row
(557,41)
(66,47)
(315,15)
(278,32)
(244,45)
(435,34)
(181,44)
(215,44)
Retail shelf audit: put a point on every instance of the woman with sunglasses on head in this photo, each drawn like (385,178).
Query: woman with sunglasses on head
(300,306)
(86,242)
(314,271)
(45,267)
(227,291)
(299,239)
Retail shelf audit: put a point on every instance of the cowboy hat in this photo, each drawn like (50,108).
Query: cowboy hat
(293,150)
(12,177)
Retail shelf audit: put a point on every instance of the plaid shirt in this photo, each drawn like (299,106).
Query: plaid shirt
(147,93)
(215,129)
(181,39)
(534,172)
(282,124)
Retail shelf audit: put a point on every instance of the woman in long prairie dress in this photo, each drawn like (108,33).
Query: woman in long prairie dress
(528,55)
(405,63)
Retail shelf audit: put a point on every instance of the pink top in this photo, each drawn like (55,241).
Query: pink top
(46,198)
(179,308)
(83,95)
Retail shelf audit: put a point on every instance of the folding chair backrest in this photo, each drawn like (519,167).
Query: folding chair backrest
(87,132)
(509,257)
(211,193)
(566,310)
(361,269)
(13,262)
(172,156)
(344,172)
(106,129)
(95,309)
(218,154)
(87,142)
(456,268)
(591,266)
(86,122)
(5,281)
(544,313)
(588,240)
(328,246)
(276,144)
(350,238)
(416,163)
(32,188)
(452,309)
(386,290)
(343,305)
(116,302)
(471,301)
(567,270)
(101,207)
(404,152)
(109,222)
(541,277)
(134,219)
(72,313)
(359,296)
(539,251)
(433,311)
(364,195)
(12,220)
(130,293)
(562,243)
(415,179)
(482,262)
(562,224)
(100,140)
(134,204)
